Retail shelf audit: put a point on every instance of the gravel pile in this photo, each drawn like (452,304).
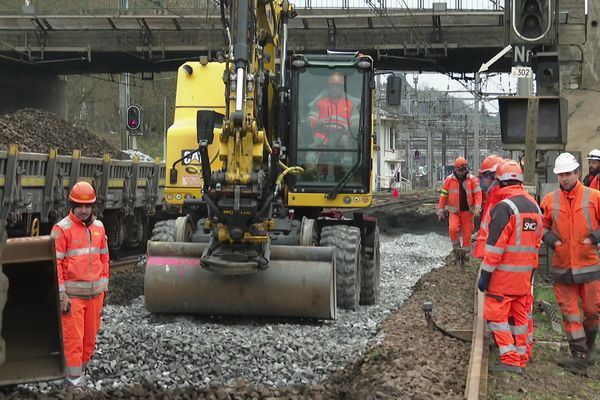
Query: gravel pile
(37,131)
(139,354)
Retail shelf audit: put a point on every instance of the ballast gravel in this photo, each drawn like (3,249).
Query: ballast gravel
(138,352)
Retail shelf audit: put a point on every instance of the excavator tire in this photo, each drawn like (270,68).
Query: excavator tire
(164,231)
(369,283)
(346,240)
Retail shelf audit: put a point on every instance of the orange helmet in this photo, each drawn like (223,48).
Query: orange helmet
(509,170)
(490,164)
(336,78)
(82,193)
(460,162)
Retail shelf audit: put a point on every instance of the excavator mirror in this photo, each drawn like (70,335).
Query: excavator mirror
(205,124)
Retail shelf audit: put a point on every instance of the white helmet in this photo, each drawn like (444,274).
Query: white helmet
(594,155)
(565,162)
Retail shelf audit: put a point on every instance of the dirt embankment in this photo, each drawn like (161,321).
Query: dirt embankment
(37,131)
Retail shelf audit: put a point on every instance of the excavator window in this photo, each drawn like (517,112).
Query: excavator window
(327,130)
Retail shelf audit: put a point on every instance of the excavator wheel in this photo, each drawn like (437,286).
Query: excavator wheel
(164,231)
(346,241)
(369,283)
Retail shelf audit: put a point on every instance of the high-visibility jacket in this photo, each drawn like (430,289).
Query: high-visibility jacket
(82,258)
(492,198)
(333,112)
(592,181)
(511,252)
(450,194)
(572,217)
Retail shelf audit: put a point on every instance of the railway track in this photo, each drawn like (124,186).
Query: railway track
(125,263)
(477,377)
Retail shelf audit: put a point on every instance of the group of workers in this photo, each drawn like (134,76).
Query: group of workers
(511,231)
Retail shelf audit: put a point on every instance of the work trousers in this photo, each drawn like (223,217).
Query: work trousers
(567,296)
(512,343)
(530,327)
(80,327)
(457,222)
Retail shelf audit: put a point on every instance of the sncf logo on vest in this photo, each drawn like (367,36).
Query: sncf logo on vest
(529,224)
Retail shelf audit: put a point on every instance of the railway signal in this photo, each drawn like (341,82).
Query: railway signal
(134,118)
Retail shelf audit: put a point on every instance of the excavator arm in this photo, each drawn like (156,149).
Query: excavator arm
(239,196)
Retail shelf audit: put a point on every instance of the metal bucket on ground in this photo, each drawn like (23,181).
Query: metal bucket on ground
(299,282)
(31,321)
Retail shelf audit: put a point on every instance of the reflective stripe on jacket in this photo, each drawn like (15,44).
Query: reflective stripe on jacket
(491,199)
(511,252)
(571,217)
(333,112)
(450,194)
(82,258)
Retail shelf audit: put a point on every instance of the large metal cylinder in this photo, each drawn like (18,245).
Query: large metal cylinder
(299,282)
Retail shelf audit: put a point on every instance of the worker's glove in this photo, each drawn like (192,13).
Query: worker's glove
(477,211)
(65,303)
(484,280)
(441,214)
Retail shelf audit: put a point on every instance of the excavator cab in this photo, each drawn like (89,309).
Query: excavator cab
(330,129)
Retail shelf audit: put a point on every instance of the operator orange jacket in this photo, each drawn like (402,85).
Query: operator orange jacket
(511,252)
(491,199)
(572,217)
(335,111)
(449,196)
(82,257)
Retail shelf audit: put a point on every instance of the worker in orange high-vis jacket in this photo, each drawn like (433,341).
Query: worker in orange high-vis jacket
(593,178)
(489,186)
(82,262)
(511,256)
(461,197)
(572,231)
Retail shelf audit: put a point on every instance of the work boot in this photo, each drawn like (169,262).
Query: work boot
(75,385)
(590,342)
(501,367)
(576,363)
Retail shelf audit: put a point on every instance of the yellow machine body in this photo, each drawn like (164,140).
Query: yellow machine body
(202,89)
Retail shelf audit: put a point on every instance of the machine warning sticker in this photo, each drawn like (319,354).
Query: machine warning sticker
(191,180)
(190,156)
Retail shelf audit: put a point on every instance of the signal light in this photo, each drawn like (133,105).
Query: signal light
(532,21)
(134,118)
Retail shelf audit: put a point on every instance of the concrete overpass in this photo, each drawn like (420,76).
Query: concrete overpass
(96,39)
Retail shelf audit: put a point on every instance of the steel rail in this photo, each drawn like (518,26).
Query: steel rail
(477,377)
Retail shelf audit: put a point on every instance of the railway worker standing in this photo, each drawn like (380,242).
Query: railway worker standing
(572,230)
(593,179)
(489,186)
(83,270)
(510,257)
(461,197)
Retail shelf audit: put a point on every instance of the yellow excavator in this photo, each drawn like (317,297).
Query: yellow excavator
(259,169)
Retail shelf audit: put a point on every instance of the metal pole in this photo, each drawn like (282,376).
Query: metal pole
(123,104)
(476,122)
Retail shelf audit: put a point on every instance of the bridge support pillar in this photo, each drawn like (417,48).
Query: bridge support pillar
(29,90)
(591,49)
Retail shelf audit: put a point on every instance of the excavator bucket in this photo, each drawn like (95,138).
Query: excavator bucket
(299,282)
(31,324)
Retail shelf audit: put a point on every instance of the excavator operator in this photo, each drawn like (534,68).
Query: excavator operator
(333,117)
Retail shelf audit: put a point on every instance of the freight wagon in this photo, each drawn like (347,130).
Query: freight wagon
(34,191)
